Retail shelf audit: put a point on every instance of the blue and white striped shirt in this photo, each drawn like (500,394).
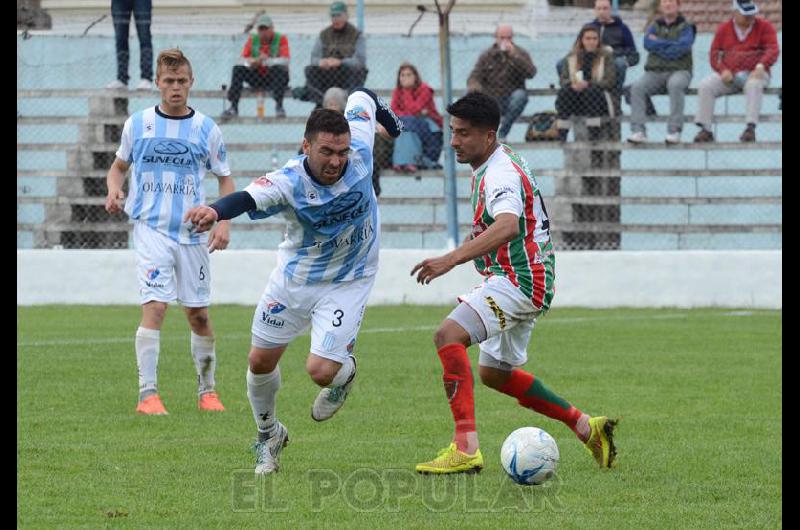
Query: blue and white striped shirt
(333,231)
(170,156)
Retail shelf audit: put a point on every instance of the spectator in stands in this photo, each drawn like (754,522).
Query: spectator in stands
(586,80)
(339,58)
(669,67)
(265,66)
(501,72)
(420,144)
(121,17)
(614,33)
(742,52)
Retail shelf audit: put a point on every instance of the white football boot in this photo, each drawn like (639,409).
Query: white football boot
(268,451)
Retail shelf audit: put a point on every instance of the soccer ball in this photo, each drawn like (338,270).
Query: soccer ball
(529,456)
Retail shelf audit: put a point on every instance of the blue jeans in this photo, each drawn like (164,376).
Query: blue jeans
(419,144)
(121,17)
(511,107)
(620,62)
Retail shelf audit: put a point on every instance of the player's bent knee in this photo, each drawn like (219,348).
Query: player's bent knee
(322,371)
(493,378)
(261,362)
(450,333)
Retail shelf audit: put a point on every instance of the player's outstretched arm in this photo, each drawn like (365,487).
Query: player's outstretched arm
(504,229)
(230,206)
(384,114)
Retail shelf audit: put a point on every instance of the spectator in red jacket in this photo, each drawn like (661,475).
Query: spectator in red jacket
(265,66)
(421,142)
(742,52)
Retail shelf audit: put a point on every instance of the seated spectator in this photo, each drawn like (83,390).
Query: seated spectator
(420,144)
(587,77)
(339,58)
(501,72)
(615,33)
(742,52)
(669,67)
(265,66)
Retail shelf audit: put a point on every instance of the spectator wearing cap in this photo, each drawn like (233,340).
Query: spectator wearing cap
(501,72)
(265,66)
(742,52)
(338,59)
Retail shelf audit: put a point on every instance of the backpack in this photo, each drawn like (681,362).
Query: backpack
(542,127)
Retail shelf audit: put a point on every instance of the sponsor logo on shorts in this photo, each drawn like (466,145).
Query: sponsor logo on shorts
(497,311)
(263,181)
(152,274)
(351,345)
(329,341)
(272,321)
(273,308)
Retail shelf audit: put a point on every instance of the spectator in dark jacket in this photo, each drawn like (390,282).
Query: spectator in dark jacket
(614,33)
(669,66)
(501,72)
(338,59)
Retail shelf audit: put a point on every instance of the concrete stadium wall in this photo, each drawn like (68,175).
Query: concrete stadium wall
(744,279)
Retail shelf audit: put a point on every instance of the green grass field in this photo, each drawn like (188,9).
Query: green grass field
(699,393)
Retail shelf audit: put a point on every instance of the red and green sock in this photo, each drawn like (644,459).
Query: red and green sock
(531,393)
(459,387)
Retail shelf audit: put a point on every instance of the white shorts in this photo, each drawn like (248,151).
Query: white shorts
(167,270)
(508,316)
(333,310)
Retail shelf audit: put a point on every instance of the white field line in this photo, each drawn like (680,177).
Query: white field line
(545,321)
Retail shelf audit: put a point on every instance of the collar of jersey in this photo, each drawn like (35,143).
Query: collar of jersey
(167,116)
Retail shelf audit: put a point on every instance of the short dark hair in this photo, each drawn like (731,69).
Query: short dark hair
(325,120)
(479,109)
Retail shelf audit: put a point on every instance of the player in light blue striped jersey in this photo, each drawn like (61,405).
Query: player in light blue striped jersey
(170,147)
(326,263)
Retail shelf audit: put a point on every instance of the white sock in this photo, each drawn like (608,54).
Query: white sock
(344,373)
(205,361)
(261,390)
(147,347)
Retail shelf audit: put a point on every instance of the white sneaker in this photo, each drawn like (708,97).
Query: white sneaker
(673,138)
(145,84)
(329,400)
(116,84)
(638,138)
(268,451)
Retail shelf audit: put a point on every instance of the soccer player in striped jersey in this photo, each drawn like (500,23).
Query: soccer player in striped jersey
(326,263)
(510,246)
(170,147)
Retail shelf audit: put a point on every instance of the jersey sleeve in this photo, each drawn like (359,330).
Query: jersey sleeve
(217,155)
(503,192)
(360,114)
(269,193)
(125,150)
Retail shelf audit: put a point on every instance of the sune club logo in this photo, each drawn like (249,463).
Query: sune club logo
(263,181)
(170,148)
(169,152)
